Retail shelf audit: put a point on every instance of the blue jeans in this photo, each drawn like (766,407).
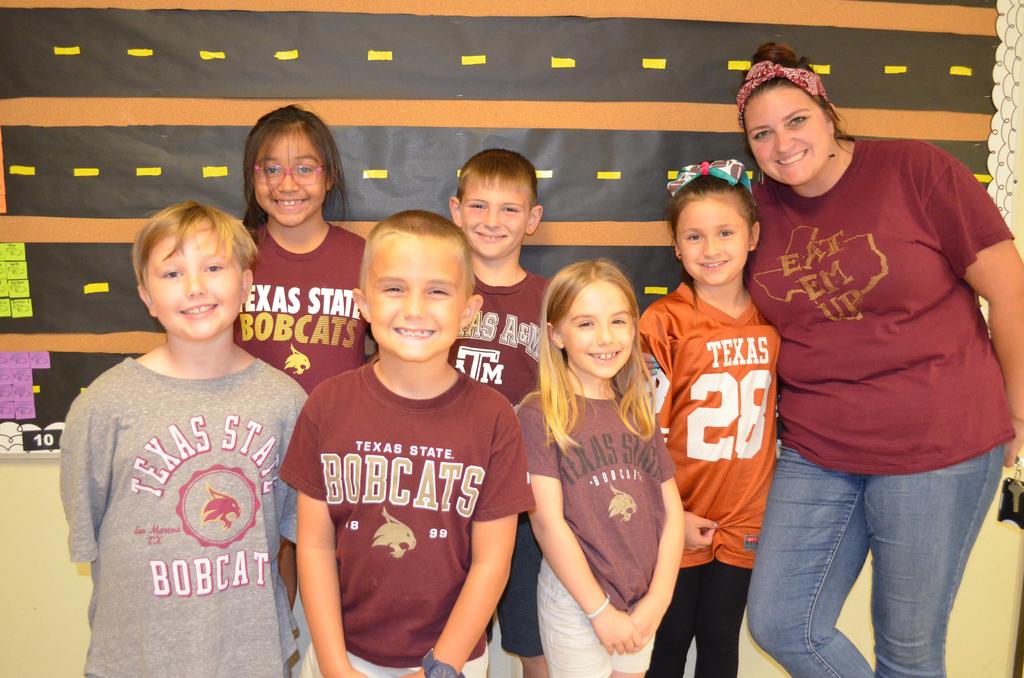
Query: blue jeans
(817,532)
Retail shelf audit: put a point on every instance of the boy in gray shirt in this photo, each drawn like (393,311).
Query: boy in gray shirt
(169,473)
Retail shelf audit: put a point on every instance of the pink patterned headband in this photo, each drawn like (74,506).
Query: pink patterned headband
(763,71)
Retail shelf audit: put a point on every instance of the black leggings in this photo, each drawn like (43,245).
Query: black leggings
(708,603)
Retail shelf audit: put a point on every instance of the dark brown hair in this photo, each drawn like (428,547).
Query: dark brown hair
(704,187)
(783,55)
(283,121)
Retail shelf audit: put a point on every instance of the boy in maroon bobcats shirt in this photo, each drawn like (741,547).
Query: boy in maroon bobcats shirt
(410,475)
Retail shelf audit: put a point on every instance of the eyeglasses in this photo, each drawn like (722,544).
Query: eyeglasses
(304,175)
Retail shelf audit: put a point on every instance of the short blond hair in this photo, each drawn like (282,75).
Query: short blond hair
(420,224)
(184,220)
(502,166)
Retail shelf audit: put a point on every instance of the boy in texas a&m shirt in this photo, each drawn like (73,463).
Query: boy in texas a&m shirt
(169,473)
(410,475)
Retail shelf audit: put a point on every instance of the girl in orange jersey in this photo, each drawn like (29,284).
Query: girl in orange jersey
(715,397)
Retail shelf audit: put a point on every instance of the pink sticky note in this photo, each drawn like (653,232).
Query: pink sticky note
(21,375)
(20,359)
(40,360)
(6,410)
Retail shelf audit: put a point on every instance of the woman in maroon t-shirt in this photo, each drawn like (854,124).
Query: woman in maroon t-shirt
(894,410)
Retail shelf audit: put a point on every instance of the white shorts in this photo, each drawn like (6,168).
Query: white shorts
(571,647)
(474,668)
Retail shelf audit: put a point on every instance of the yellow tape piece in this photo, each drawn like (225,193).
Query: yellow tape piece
(961,70)
(23,170)
(609,175)
(82,389)
(67,51)
(210,171)
(35,388)
(750,175)
(821,69)
(893,70)
(983,178)
(671,174)
(140,52)
(563,62)
(96,288)
(474,59)
(657,64)
(650,289)
(206,56)
(148,171)
(545,174)
(739,65)
(87,171)
(287,55)
(375,174)
(379,55)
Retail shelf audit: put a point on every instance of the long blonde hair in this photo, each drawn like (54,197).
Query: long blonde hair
(631,385)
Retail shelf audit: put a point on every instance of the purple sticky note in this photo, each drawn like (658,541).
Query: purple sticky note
(24,409)
(6,410)
(21,375)
(20,359)
(5,358)
(23,392)
(6,391)
(6,376)
(40,360)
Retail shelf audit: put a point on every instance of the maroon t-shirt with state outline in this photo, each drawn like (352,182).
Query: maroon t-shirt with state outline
(886,365)
(404,480)
(501,346)
(300,316)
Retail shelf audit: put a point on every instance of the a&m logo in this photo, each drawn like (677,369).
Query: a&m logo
(834,274)
(218,505)
(480,364)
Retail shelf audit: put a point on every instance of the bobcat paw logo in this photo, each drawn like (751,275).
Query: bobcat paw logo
(296,361)
(394,534)
(221,507)
(622,505)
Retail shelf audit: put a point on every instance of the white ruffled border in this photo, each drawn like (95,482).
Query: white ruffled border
(1002,142)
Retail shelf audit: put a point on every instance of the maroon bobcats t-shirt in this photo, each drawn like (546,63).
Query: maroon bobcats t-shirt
(611,493)
(886,364)
(404,480)
(300,316)
(500,347)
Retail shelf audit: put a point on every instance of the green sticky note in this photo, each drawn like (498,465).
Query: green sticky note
(21,308)
(17,270)
(4,288)
(18,288)
(12,251)
(5,308)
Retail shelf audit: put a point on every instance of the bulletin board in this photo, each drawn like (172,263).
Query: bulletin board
(108,114)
